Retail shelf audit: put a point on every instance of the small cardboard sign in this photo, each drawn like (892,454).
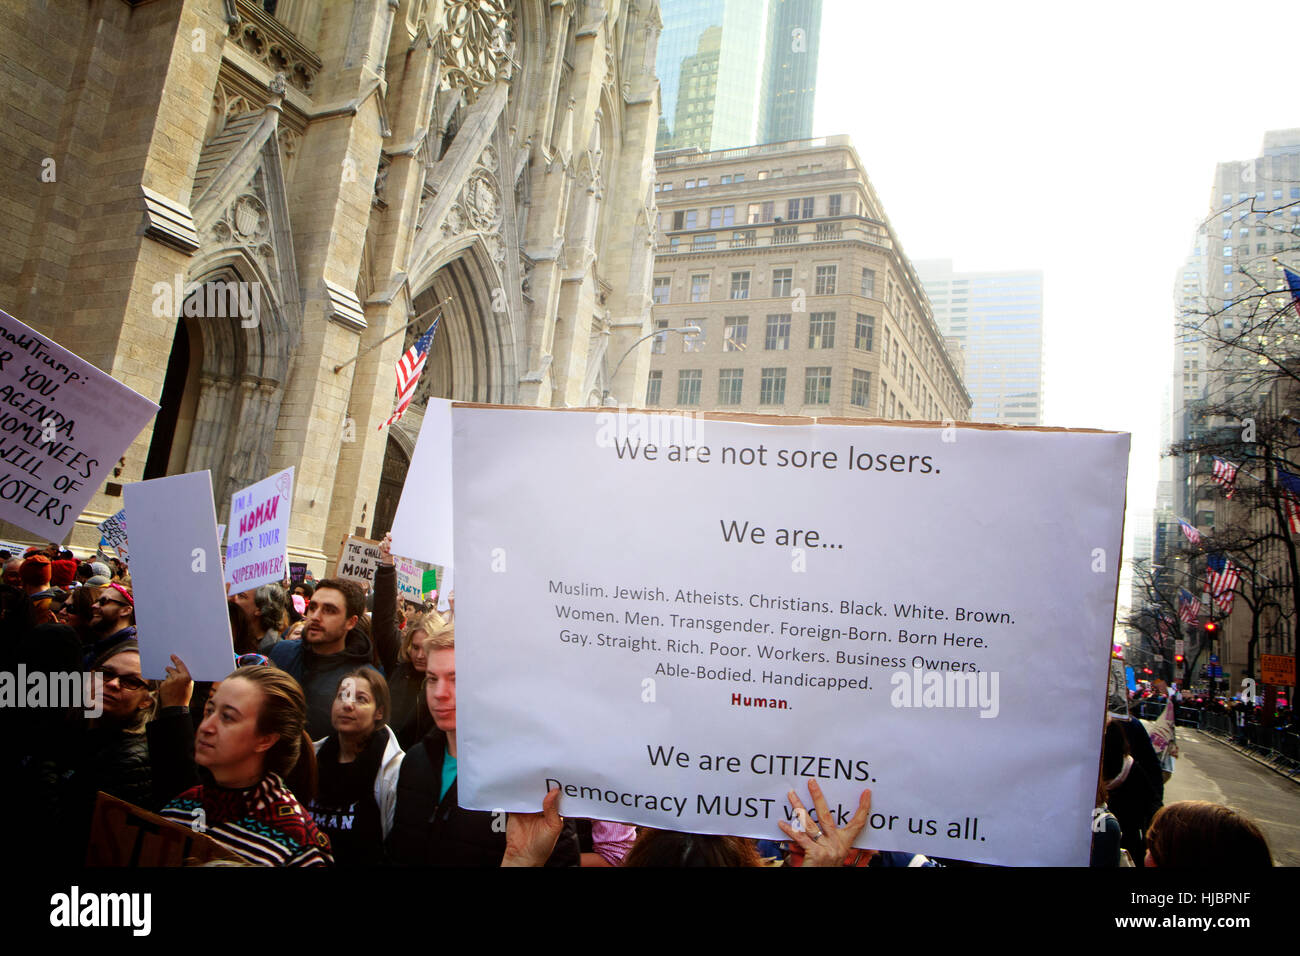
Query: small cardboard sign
(112,530)
(297,572)
(416,580)
(1117,689)
(122,834)
(358,559)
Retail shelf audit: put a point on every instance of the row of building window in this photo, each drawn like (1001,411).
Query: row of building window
(1277,194)
(726,178)
(771,386)
(826,282)
(735,333)
(756,212)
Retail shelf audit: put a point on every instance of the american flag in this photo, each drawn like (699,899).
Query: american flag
(1190,533)
(1290,485)
(409,367)
(1221,577)
(1189,607)
(1225,473)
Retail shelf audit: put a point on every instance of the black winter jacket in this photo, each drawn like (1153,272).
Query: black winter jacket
(432,832)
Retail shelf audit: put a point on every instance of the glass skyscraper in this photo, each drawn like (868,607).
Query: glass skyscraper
(736,72)
(997,320)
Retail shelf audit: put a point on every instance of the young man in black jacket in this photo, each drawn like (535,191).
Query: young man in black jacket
(430,828)
(332,645)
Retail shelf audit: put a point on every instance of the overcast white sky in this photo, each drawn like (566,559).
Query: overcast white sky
(1076,139)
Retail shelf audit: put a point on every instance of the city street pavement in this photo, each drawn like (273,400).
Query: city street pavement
(1210,770)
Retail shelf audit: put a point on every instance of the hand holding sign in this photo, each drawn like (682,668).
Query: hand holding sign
(531,837)
(178,687)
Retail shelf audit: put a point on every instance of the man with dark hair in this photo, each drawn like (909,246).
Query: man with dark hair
(332,644)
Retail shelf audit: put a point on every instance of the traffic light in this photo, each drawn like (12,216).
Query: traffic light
(1211,627)
(1178,658)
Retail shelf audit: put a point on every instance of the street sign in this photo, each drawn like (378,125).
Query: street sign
(1277,669)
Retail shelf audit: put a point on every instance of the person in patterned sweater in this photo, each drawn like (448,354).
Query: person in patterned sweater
(253,732)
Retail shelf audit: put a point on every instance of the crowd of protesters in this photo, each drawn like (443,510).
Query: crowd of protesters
(333,741)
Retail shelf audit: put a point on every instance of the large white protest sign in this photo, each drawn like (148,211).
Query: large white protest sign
(258,550)
(422,524)
(112,530)
(677,634)
(180,598)
(63,426)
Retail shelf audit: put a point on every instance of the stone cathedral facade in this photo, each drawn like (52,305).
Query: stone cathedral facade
(247,212)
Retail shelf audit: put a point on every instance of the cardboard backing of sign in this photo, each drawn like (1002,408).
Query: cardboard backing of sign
(124,835)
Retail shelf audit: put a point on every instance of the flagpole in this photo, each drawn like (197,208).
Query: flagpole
(418,318)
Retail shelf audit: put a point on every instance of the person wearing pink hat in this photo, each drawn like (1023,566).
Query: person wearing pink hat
(112,618)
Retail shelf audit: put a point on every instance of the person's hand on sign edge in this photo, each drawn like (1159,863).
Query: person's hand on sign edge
(178,687)
(822,842)
(531,837)
(386,549)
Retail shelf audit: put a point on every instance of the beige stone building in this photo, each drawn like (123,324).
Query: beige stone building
(783,257)
(236,209)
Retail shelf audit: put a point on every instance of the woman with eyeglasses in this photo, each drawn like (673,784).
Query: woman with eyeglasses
(358,767)
(253,734)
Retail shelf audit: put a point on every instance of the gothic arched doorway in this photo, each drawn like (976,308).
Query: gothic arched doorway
(224,383)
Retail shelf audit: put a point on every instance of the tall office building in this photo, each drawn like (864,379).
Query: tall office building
(783,257)
(736,72)
(1229,281)
(1254,214)
(996,319)
(794,27)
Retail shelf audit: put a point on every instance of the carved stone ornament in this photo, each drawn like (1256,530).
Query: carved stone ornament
(271,44)
(484,205)
(478,206)
(246,222)
(477,47)
(249,217)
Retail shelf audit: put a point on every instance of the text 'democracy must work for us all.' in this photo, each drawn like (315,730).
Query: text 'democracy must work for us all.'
(678,624)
